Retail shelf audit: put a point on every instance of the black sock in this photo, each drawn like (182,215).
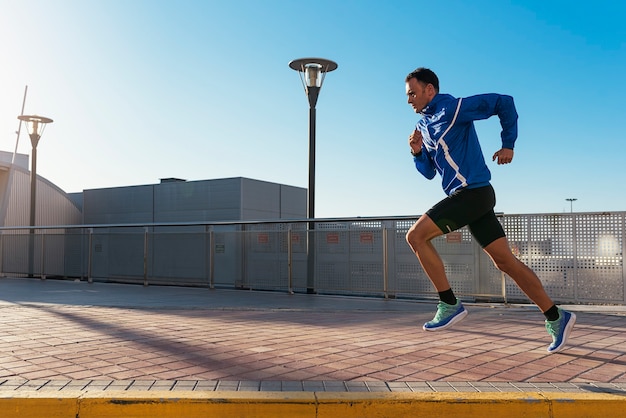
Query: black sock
(552,314)
(447,296)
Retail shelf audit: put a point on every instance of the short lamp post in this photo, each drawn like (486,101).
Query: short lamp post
(312,72)
(36,125)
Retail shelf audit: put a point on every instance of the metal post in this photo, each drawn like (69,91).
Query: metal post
(43,257)
(211,259)
(145,256)
(312,94)
(206,259)
(90,257)
(385,264)
(34,139)
(311,190)
(575,245)
(1,252)
(289,261)
(503,275)
(244,258)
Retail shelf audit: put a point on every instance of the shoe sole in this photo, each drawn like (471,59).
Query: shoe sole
(453,321)
(566,333)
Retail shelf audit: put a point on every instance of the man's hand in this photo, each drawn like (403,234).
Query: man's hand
(504,156)
(415,141)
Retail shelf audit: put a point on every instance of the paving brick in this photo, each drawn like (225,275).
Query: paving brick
(256,344)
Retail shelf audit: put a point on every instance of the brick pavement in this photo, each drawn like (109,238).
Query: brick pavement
(58,334)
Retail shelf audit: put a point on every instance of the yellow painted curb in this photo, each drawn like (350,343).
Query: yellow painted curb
(199,404)
(465,404)
(582,405)
(25,403)
(432,405)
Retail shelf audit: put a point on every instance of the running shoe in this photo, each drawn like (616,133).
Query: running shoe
(446,316)
(560,330)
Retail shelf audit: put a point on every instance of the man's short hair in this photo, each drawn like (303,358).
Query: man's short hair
(425,76)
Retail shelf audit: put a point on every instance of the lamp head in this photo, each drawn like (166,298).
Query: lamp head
(35,123)
(313,69)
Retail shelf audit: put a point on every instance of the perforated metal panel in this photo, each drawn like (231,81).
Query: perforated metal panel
(179,256)
(545,243)
(457,251)
(599,267)
(266,256)
(349,257)
(577,257)
(265,263)
(409,277)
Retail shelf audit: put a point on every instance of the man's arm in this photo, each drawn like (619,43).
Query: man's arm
(484,106)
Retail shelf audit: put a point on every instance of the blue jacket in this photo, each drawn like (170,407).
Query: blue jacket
(450,146)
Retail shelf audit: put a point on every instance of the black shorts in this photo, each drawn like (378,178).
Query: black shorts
(471,207)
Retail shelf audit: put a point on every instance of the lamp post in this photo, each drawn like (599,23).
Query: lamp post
(312,72)
(571,201)
(36,125)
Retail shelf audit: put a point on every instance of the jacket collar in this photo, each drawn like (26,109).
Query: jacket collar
(432,107)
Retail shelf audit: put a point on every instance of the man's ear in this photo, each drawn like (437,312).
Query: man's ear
(431,90)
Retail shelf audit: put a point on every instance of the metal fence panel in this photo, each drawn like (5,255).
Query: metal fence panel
(178,257)
(75,255)
(118,256)
(275,257)
(577,257)
(15,253)
(599,261)
(265,263)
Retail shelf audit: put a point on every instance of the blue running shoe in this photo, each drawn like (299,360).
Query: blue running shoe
(446,316)
(560,330)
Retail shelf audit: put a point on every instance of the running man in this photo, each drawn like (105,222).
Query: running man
(445,142)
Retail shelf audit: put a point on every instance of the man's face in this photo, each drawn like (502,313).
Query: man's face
(419,94)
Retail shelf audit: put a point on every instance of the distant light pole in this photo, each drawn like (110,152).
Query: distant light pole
(36,125)
(312,72)
(571,201)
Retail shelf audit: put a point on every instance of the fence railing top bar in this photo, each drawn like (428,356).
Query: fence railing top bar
(362,219)
(213,223)
(565,214)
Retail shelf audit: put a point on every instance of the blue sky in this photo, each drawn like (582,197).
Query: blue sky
(142,90)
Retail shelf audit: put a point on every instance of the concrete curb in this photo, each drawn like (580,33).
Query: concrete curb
(197,404)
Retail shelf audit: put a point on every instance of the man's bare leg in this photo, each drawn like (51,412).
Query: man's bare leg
(449,310)
(418,238)
(558,328)
(524,277)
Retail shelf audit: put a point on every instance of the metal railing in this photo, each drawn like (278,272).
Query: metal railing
(578,257)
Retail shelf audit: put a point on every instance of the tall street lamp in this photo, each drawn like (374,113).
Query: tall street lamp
(36,125)
(312,72)
(571,201)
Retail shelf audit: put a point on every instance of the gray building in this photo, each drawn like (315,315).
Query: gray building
(179,253)
(171,200)
(101,250)
(176,200)
(54,206)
